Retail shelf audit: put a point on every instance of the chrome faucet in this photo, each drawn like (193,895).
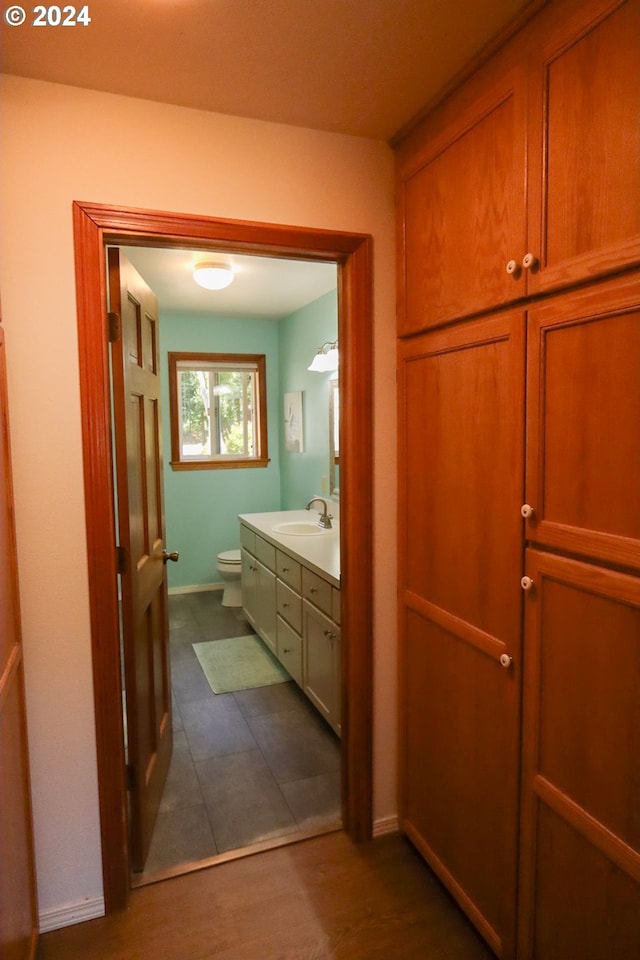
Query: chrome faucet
(325,518)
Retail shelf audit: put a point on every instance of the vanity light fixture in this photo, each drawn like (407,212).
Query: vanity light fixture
(213,275)
(326,359)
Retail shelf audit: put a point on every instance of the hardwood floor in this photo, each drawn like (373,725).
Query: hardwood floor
(320,899)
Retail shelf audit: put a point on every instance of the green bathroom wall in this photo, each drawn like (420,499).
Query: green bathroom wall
(202,506)
(303,475)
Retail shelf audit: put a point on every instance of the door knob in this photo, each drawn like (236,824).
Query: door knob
(174,555)
(505,660)
(526,583)
(526,510)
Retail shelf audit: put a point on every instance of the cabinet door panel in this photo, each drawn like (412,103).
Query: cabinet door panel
(463,211)
(585,144)
(583,441)
(580,862)
(461,442)
(321,656)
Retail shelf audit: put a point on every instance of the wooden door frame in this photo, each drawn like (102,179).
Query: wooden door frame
(95,226)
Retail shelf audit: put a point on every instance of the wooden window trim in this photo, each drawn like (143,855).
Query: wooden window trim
(262,459)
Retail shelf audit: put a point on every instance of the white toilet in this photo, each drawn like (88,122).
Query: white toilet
(229,568)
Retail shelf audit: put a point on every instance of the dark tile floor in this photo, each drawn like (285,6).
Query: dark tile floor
(247,766)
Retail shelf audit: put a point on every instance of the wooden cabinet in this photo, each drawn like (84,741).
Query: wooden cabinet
(583,412)
(519,469)
(580,857)
(461,440)
(297,613)
(523,180)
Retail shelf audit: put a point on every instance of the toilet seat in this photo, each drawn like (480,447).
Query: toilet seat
(230,557)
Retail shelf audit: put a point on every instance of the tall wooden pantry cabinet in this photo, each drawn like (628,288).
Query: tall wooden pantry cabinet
(519,430)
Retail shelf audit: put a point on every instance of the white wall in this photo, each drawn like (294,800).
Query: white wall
(62,144)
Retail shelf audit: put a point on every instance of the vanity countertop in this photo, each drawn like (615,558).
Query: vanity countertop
(320,553)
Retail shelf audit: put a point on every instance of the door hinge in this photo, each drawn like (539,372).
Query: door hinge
(121,560)
(114,327)
(130,776)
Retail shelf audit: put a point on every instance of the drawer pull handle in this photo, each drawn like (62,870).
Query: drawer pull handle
(313,589)
(287,650)
(285,605)
(285,569)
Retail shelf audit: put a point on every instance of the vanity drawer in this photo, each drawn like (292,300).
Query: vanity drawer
(290,650)
(289,605)
(288,570)
(266,553)
(247,539)
(317,591)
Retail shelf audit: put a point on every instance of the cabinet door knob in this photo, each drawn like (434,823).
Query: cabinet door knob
(529,261)
(505,660)
(513,268)
(526,583)
(313,589)
(285,569)
(526,510)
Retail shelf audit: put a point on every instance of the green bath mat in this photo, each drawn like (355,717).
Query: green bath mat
(239,664)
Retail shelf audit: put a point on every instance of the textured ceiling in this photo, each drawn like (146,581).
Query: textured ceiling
(362,67)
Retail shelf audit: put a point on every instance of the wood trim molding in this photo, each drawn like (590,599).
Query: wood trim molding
(95,225)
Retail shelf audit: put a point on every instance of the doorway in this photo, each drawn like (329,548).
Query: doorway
(251,768)
(95,226)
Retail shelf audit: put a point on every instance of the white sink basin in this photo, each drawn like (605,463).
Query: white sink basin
(299,528)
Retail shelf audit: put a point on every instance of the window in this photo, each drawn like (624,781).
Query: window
(217,407)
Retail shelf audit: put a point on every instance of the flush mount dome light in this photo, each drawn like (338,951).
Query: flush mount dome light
(213,275)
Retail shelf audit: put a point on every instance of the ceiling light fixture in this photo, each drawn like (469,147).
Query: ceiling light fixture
(213,276)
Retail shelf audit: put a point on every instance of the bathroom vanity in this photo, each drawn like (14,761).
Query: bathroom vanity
(291,597)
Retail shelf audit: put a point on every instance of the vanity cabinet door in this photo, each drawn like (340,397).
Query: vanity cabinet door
(259,598)
(322,663)
(266,606)
(289,651)
(249,585)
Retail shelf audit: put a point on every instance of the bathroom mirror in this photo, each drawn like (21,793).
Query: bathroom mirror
(334,439)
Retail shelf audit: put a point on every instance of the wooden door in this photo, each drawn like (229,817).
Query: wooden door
(583,438)
(461,425)
(18,915)
(145,633)
(580,856)
(584,142)
(462,205)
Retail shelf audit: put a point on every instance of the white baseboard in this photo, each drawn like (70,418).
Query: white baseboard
(196,588)
(385,826)
(75,913)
